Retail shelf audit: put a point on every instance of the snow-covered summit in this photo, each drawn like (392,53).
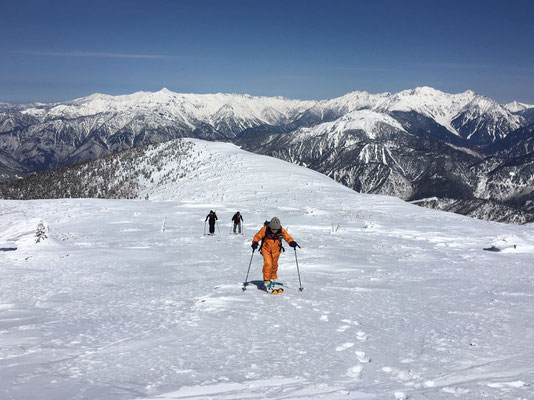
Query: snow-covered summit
(367,122)
(440,106)
(352,101)
(182,106)
(516,106)
(456,112)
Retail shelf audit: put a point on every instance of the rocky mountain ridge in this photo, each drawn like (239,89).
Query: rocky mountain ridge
(415,144)
(373,153)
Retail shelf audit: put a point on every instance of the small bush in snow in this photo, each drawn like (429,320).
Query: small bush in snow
(40,233)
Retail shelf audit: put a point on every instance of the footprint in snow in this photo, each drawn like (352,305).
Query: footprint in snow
(344,346)
(362,336)
(347,323)
(409,377)
(355,372)
(457,392)
(362,357)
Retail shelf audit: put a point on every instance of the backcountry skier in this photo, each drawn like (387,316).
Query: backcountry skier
(271,236)
(237,219)
(212,219)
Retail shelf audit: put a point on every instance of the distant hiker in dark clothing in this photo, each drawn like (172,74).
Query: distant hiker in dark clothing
(212,219)
(237,219)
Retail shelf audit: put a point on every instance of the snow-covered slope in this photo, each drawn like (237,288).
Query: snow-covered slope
(367,122)
(129,299)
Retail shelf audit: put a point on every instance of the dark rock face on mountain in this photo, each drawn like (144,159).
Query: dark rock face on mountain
(518,143)
(426,127)
(527,115)
(481,209)
(378,158)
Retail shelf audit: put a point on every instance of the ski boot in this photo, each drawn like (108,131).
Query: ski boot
(269,287)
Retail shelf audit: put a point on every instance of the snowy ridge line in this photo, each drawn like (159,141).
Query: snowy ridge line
(240,111)
(166,171)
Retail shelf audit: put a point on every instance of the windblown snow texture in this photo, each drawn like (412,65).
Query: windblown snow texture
(127,299)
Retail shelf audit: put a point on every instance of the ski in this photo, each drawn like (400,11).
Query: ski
(274,291)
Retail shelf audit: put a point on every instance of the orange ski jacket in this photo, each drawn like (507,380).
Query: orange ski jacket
(272,242)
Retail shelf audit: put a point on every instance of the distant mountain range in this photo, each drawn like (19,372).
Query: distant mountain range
(460,152)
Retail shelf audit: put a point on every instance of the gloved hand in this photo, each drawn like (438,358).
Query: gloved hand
(254,246)
(293,244)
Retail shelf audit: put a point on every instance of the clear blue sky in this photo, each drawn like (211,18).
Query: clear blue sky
(60,50)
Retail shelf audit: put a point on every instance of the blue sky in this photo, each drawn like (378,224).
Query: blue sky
(61,50)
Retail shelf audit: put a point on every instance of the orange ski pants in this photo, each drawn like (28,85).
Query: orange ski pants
(270,263)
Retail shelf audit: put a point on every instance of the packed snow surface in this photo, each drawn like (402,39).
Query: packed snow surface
(129,299)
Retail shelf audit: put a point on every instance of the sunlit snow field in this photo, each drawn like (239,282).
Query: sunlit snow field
(129,299)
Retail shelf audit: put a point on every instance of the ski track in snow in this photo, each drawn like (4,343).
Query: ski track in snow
(398,301)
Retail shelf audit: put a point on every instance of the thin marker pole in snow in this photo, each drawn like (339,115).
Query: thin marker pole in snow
(298,271)
(246,279)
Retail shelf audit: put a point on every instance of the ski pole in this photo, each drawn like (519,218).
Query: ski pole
(298,271)
(204,227)
(246,279)
(218,230)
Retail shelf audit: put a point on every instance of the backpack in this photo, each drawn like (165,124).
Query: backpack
(279,236)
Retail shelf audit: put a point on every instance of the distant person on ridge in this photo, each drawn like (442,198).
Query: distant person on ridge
(271,236)
(212,219)
(237,219)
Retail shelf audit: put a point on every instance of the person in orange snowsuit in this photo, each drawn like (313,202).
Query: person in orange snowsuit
(271,247)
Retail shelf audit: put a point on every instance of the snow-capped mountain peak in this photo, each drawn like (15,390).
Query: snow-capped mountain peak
(516,106)
(440,106)
(367,122)
(449,110)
